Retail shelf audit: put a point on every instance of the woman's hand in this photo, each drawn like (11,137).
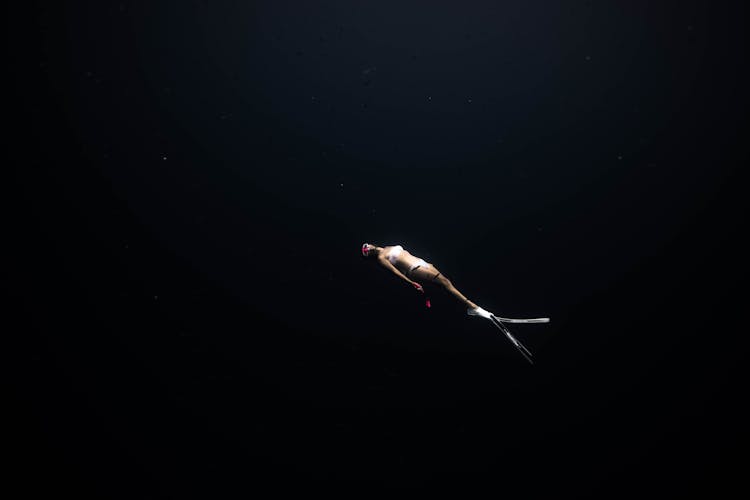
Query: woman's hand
(417,286)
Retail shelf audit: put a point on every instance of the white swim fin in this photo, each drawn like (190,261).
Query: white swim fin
(498,322)
(522,320)
(488,315)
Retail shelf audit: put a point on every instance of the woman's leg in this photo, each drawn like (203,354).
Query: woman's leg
(430,273)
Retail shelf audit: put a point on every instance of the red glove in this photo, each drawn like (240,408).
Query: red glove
(418,287)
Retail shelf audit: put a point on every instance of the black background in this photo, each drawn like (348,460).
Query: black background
(190,316)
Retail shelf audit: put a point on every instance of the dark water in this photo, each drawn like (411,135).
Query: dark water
(195,181)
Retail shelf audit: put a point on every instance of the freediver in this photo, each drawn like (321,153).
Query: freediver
(410,268)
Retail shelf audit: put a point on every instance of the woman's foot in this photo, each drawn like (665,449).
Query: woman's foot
(478,311)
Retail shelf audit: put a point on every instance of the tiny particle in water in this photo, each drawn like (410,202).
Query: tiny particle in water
(469,100)
(164,157)
(619,157)
(429,98)
(341,185)
(588,58)
(156,297)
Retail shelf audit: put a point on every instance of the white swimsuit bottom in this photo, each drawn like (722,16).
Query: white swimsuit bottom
(421,263)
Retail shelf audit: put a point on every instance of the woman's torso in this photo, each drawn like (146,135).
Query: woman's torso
(400,258)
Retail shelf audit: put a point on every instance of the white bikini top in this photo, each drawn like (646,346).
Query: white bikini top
(394,253)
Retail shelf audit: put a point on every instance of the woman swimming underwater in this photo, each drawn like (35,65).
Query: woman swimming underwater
(409,267)
(406,266)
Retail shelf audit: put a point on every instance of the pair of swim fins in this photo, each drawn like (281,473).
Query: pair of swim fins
(499,322)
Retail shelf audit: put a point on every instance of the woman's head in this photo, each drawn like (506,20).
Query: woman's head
(369,250)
